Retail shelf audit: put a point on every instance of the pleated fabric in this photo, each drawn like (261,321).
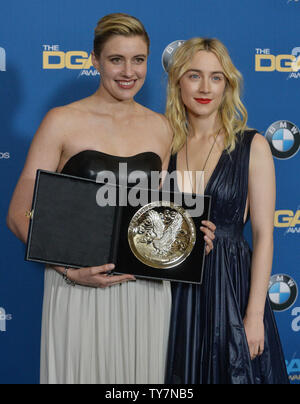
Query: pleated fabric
(114,335)
(208,344)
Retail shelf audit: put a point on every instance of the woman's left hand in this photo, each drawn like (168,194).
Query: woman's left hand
(255,333)
(208,228)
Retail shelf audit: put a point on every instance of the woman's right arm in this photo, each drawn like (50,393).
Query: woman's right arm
(45,153)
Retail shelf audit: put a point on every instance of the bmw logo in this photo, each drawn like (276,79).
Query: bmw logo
(168,53)
(283,292)
(284,139)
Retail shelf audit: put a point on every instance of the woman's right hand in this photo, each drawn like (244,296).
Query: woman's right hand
(97,277)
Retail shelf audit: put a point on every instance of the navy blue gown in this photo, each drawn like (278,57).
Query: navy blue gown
(207,343)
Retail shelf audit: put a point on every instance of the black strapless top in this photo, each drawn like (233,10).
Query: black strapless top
(89,163)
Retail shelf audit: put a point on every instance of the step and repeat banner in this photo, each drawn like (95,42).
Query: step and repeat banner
(45,62)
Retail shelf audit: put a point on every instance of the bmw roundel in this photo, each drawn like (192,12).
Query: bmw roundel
(283,292)
(168,53)
(284,139)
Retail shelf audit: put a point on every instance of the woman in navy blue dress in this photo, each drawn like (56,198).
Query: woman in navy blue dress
(223,331)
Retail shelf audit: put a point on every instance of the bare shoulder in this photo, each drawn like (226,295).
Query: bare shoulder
(260,146)
(161,124)
(260,155)
(53,130)
(65,112)
(166,124)
(62,120)
(162,120)
(57,117)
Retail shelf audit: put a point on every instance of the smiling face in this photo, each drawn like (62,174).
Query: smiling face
(203,85)
(123,66)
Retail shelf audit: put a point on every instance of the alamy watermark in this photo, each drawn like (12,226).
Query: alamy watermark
(137,189)
(2,60)
(3,319)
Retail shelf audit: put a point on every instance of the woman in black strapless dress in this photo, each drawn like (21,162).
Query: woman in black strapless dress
(105,328)
(223,332)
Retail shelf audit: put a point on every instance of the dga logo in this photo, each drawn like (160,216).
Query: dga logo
(3,318)
(265,61)
(296,321)
(5,155)
(168,54)
(283,292)
(284,139)
(293,369)
(288,219)
(54,58)
(2,60)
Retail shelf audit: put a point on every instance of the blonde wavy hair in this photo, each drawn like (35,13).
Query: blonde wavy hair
(233,113)
(118,24)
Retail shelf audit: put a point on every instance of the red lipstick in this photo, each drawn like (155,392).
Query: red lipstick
(203,100)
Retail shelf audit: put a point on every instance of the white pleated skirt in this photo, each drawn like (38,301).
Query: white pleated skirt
(116,335)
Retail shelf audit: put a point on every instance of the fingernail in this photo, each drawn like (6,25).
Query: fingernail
(111,266)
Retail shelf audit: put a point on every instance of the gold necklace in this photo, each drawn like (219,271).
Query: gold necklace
(204,166)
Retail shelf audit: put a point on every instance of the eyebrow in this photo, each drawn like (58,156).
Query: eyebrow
(200,71)
(121,56)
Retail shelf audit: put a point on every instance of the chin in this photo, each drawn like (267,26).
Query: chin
(203,111)
(124,95)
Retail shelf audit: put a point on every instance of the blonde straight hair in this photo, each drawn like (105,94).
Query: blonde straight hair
(118,24)
(232,112)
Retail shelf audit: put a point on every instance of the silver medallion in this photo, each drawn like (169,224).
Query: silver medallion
(161,235)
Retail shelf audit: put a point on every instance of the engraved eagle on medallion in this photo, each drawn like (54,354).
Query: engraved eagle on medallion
(161,230)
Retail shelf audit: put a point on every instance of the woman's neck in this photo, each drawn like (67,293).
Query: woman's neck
(204,126)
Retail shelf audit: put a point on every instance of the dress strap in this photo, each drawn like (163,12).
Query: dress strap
(172,163)
(244,162)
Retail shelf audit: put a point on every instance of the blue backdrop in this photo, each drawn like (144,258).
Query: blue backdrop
(38,72)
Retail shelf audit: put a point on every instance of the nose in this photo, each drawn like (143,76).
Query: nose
(204,85)
(128,71)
